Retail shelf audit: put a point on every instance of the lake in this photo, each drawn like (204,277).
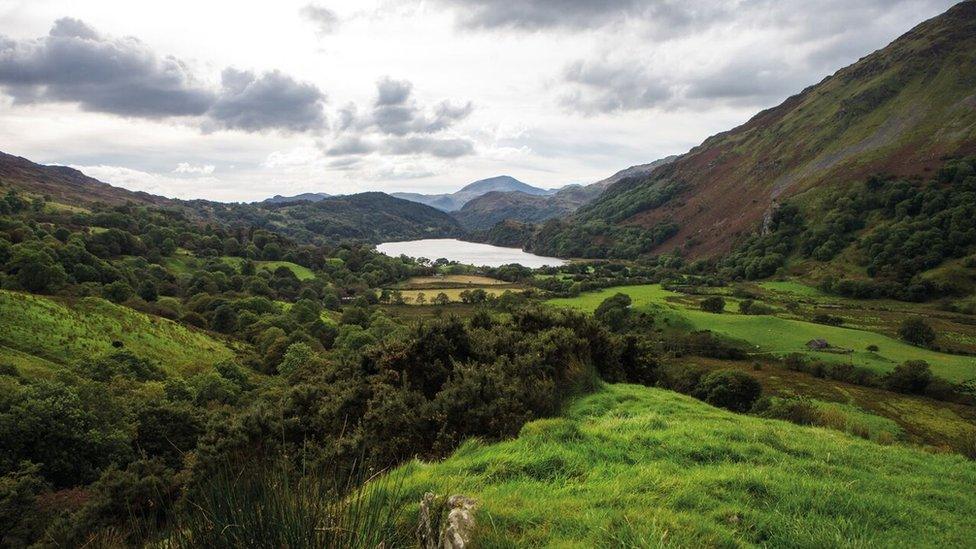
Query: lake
(470,253)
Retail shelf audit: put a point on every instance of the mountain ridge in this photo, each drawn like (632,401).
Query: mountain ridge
(899,110)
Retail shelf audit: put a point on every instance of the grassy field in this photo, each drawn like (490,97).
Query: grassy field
(942,426)
(449,281)
(41,331)
(780,336)
(454,294)
(303,273)
(633,466)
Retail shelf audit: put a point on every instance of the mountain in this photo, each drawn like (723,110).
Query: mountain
(485,211)
(633,171)
(67,185)
(455,201)
(307,197)
(900,110)
(373,217)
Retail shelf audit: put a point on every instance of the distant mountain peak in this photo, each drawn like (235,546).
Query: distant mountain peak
(450,202)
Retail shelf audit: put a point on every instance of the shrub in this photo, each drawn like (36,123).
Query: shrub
(731,389)
(713,304)
(917,332)
(680,377)
(912,376)
(873,348)
(795,410)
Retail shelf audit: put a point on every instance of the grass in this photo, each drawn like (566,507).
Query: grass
(632,466)
(303,273)
(453,294)
(781,336)
(53,331)
(448,281)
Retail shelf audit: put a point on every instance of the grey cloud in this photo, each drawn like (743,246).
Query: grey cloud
(325,20)
(542,14)
(270,101)
(396,113)
(119,76)
(350,146)
(124,76)
(392,92)
(791,44)
(601,86)
(440,147)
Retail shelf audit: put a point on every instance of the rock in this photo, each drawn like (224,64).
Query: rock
(435,531)
(460,523)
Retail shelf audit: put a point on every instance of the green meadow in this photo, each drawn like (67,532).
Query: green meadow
(781,336)
(40,331)
(632,466)
(303,273)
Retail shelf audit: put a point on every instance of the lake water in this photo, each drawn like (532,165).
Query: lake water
(470,253)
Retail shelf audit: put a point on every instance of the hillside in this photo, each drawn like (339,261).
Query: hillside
(492,208)
(455,201)
(40,333)
(67,185)
(309,197)
(631,466)
(484,212)
(372,217)
(900,111)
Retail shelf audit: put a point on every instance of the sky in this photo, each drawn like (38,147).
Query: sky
(239,101)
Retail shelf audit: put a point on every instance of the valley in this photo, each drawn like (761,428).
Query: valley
(768,341)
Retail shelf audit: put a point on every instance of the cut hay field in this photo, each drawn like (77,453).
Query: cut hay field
(449,281)
(781,336)
(632,466)
(39,331)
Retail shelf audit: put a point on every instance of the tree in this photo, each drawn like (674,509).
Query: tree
(917,332)
(224,319)
(912,376)
(713,304)
(441,299)
(36,269)
(117,291)
(421,298)
(731,389)
(613,312)
(148,291)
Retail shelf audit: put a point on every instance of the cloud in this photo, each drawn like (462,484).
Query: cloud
(124,76)
(325,20)
(542,14)
(186,167)
(439,147)
(396,124)
(602,86)
(350,145)
(750,54)
(270,101)
(392,92)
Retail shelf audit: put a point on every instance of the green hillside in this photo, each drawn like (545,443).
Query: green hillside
(632,466)
(40,331)
(782,336)
(901,110)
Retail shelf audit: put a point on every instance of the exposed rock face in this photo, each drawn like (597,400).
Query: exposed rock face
(453,531)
